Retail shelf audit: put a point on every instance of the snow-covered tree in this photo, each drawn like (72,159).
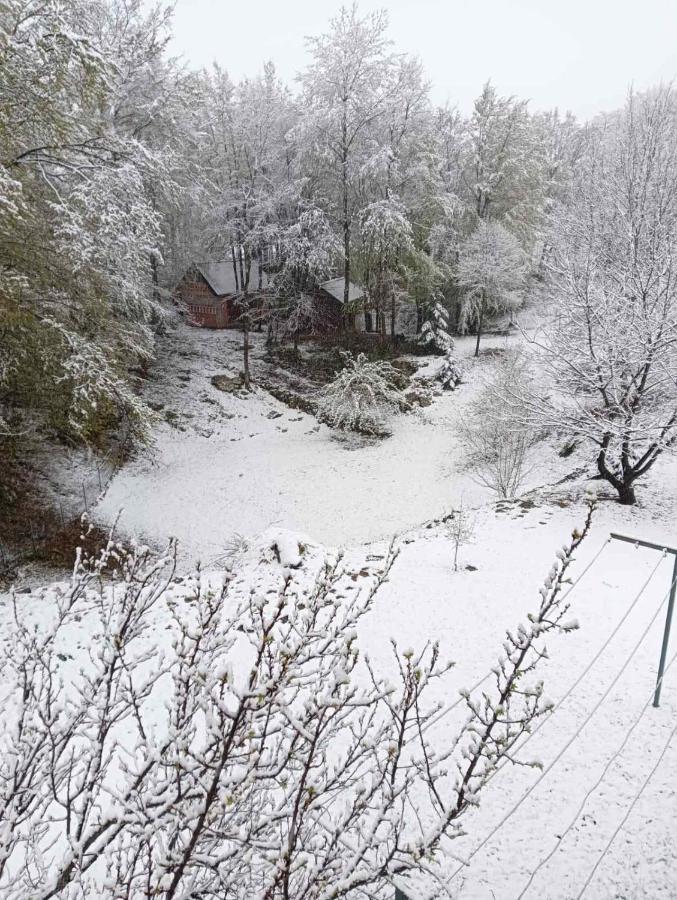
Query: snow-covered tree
(363,397)
(247,156)
(491,274)
(309,249)
(435,332)
(609,356)
(450,374)
(348,89)
(386,237)
(504,169)
(225,737)
(79,230)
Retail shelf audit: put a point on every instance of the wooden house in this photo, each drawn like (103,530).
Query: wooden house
(329,298)
(361,316)
(210,292)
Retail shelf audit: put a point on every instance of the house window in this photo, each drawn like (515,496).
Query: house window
(368,322)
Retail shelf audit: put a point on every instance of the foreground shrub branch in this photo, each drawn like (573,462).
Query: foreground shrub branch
(227,739)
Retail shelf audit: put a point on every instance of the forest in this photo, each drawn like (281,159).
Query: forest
(120,167)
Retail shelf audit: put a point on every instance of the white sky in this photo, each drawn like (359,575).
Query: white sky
(575,54)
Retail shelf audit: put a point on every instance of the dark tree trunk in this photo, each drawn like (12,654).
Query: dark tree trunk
(625,483)
(245,351)
(346,215)
(393,317)
(237,280)
(626,494)
(479,330)
(155,276)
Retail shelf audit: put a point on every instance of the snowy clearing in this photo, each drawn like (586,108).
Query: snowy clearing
(230,464)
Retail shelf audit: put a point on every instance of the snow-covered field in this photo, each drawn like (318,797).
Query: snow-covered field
(230,463)
(227,464)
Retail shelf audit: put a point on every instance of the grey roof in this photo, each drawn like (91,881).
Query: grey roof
(221,278)
(335,287)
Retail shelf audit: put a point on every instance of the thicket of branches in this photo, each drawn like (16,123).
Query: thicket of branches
(228,739)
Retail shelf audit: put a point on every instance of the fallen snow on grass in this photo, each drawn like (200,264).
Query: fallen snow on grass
(468,612)
(226,463)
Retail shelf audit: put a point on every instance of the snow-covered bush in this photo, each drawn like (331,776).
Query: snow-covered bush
(449,374)
(363,397)
(221,736)
(435,331)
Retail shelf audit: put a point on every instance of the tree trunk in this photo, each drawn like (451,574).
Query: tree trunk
(626,494)
(155,277)
(245,351)
(419,317)
(346,217)
(393,317)
(237,280)
(479,330)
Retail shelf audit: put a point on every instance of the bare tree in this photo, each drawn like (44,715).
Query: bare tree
(610,357)
(498,441)
(460,528)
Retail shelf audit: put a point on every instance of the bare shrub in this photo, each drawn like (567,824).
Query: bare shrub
(460,528)
(498,442)
(226,738)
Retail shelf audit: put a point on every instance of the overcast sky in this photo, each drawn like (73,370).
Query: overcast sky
(575,54)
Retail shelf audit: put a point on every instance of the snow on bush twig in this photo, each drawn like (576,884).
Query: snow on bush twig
(363,396)
(243,748)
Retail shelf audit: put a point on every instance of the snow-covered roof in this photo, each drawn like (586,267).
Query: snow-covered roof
(221,278)
(335,287)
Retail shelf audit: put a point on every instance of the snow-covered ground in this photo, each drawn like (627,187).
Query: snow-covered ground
(226,464)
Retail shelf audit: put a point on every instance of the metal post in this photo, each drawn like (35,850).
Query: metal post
(671,604)
(666,636)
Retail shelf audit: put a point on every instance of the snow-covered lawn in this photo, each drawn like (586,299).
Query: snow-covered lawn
(230,464)
(227,464)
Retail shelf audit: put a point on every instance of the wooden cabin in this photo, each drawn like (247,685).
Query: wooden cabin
(330,297)
(361,316)
(210,293)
